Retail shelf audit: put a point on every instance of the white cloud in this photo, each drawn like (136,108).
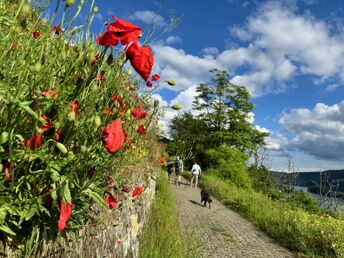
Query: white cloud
(318,132)
(173,39)
(148,17)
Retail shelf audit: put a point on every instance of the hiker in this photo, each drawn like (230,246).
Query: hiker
(195,172)
(179,170)
(170,170)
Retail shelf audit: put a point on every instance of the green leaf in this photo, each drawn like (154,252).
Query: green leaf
(97,199)
(7,230)
(66,193)
(3,137)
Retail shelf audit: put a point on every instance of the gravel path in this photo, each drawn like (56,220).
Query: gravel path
(220,231)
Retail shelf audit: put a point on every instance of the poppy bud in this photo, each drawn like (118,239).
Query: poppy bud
(37,67)
(97,121)
(83,148)
(96,9)
(57,125)
(72,31)
(61,148)
(176,107)
(70,3)
(156,103)
(171,82)
(25,11)
(109,60)
(44,21)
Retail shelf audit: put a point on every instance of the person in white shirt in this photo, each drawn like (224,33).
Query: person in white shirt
(195,172)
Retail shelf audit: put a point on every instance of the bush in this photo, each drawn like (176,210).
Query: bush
(229,164)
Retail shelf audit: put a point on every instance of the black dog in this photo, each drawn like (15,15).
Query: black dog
(205,197)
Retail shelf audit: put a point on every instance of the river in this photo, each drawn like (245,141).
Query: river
(325,204)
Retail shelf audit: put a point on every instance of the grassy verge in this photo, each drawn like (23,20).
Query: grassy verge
(162,235)
(311,235)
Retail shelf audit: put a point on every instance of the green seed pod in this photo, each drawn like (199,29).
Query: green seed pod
(57,125)
(61,148)
(176,107)
(70,3)
(97,121)
(171,82)
(96,9)
(156,103)
(44,21)
(37,67)
(25,11)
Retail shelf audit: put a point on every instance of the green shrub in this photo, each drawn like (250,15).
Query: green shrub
(229,164)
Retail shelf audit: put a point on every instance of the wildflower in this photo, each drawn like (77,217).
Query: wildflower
(108,111)
(14,45)
(126,189)
(141,130)
(141,58)
(74,108)
(137,191)
(65,212)
(36,34)
(155,77)
(120,30)
(100,76)
(35,141)
(111,201)
(149,84)
(163,160)
(57,30)
(139,114)
(50,93)
(57,134)
(113,137)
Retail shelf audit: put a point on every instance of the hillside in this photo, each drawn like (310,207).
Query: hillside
(311,179)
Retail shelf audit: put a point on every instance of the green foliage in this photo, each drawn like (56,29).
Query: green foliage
(262,181)
(162,235)
(229,164)
(41,75)
(304,201)
(309,234)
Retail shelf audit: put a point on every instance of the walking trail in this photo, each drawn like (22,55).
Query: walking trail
(219,231)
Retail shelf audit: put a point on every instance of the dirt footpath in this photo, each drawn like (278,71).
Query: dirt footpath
(221,232)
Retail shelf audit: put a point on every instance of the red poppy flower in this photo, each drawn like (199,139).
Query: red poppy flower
(108,111)
(113,137)
(141,58)
(149,84)
(163,160)
(34,142)
(7,170)
(120,30)
(47,124)
(14,45)
(138,113)
(100,76)
(141,130)
(109,180)
(57,134)
(36,34)
(126,189)
(111,201)
(137,191)
(57,29)
(155,77)
(50,93)
(65,212)
(74,107)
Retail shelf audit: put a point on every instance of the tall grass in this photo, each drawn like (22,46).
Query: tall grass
(311,235)
(162,237)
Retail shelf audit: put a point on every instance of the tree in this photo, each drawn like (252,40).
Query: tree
(226,109)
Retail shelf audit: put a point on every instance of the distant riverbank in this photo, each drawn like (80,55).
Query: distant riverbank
(327,204)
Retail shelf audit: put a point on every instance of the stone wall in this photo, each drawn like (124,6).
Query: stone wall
(117,236)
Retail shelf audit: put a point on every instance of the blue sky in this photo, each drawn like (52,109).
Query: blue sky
(289,54)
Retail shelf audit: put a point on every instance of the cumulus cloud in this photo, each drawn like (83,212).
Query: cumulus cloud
(148,17)
(173,39)
(277,44)
(318,131)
